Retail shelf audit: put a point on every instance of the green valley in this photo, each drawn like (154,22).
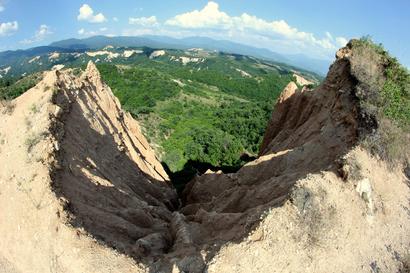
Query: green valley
(199,109)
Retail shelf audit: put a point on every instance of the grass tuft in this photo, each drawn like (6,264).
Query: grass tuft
(7,107)
(32,140)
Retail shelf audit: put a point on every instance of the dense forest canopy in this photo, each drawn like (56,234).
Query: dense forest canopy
(198,115)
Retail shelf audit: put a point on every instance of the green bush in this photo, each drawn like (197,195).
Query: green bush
(388,82)
(384,91)
(203,144)
(246,121)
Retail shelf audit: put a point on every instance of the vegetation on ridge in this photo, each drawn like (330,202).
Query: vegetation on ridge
(385,93)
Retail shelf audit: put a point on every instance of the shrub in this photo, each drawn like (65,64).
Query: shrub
(384,92)
(32,140)
(383,81)
(390,142)
(200,143)
(34,108)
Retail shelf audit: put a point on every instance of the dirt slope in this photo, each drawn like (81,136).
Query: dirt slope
(326,204)
(74,165)
(81,190)
(331,225)
(308,131)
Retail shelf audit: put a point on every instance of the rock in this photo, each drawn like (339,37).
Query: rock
(343,171)
(180,230)
(407,171)
(58,111)
(157,53)
(364,189)
(257,235)
(287,92)
(301,80)
(343,53)
(302,199)
(191,264)
(138,217)
(152,244)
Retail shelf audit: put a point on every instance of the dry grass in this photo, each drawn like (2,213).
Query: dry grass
(34,108)
(28,123)
(389,142)
(7,107)
(405,264)
(350,168)
(2,141)
(32,140)
(313,218)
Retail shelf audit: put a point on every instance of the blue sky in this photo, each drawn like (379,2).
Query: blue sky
(314,28)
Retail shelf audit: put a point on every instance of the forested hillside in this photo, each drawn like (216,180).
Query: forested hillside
(212,111)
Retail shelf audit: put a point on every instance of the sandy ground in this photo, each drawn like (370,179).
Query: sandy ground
(36,232)
(6,266)
(335,229)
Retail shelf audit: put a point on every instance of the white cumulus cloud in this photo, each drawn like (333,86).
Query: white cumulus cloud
(277,33)
(81,31)
(86,13)
(87,33)
(144,21)
(210,16)
(341,41)
(42,32)
(8,28)
(328,35)
(84,32)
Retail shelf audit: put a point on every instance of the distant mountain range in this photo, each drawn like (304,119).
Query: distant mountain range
(71,45)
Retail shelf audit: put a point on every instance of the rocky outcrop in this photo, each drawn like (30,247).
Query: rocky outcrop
(309,135)
(308,131)
(301,80)
(114,186)
(82,177)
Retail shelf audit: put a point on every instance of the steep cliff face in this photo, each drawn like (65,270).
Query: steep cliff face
(308,131)
(76,168)
(114,186)
(298,187)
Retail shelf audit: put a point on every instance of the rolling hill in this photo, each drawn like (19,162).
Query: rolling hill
(158,42)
